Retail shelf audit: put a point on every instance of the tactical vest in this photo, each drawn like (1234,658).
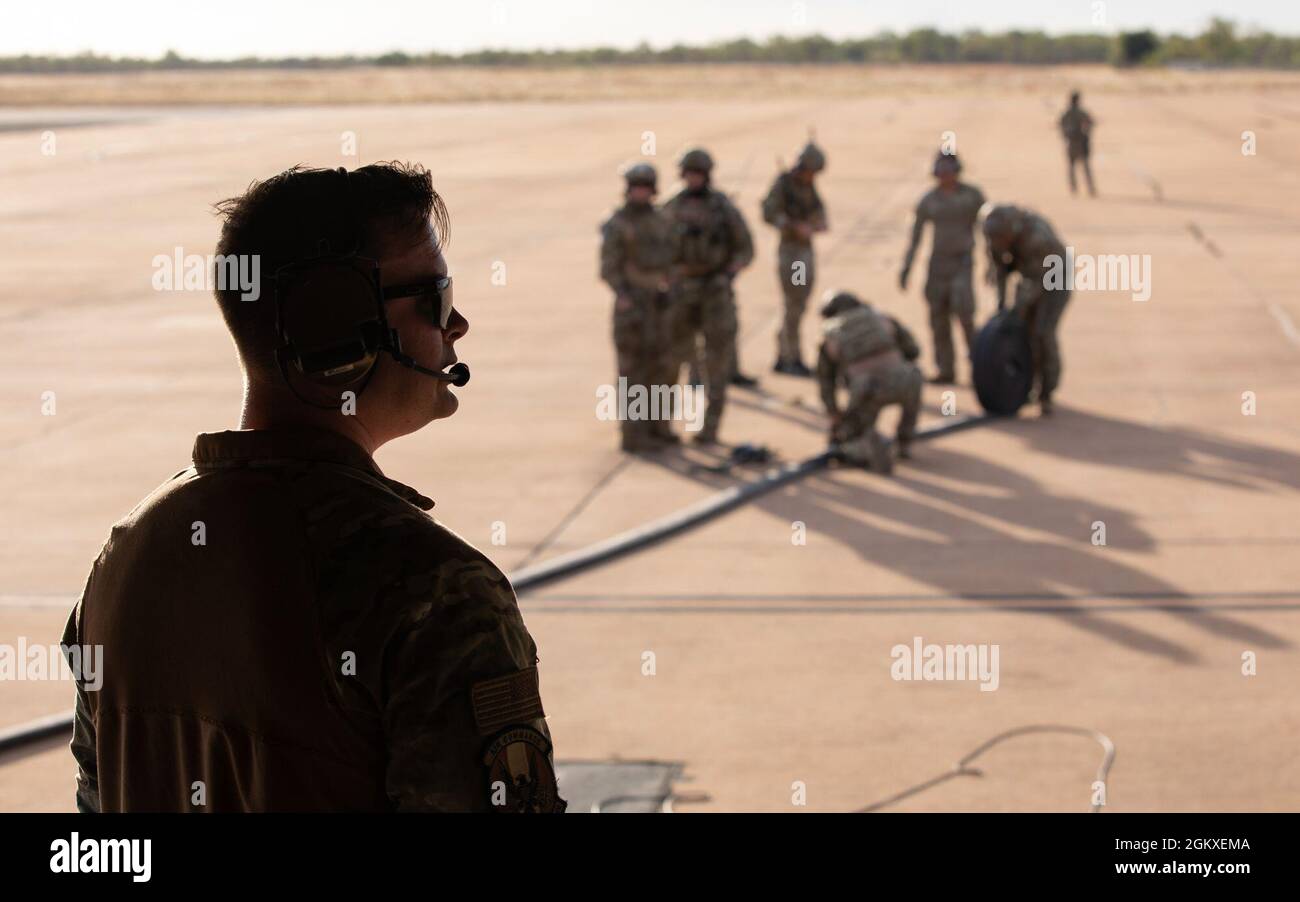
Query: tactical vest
(858,334)
(799,201)
(703,235)
(647,244)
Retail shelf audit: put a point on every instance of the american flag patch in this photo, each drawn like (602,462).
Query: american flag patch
(511,699)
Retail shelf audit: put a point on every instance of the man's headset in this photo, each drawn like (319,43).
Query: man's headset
(330,320)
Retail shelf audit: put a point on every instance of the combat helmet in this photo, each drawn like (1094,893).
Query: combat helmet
(837,302)
(641,174)
(947,160)
(812,158)
(1002,219)
(696,160)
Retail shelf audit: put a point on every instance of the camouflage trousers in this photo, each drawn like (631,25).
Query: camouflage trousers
(643,342)
(949,293)
(869,394)
(794,272)
(1042,310)
(706,308)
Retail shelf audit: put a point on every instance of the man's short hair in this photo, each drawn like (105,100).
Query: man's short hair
(285,219)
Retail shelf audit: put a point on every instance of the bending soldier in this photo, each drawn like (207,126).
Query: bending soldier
(872,354)
(1023,242)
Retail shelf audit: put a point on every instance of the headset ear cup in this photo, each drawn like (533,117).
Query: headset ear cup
(331,321)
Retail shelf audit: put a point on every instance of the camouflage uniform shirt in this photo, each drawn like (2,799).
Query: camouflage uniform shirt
(708,234)
(1076,126)
(954,218)
(284,628)
(789,202)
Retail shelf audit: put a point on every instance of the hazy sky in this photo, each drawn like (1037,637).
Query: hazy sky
(329,27)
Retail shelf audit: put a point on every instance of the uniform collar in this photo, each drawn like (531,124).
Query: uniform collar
(240,448)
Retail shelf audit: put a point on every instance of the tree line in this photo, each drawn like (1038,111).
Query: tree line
(1220,44)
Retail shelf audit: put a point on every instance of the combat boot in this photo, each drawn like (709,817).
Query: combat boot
(661,432)
(882,458)
(638,441)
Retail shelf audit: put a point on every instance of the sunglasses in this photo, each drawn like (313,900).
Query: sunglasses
(434,299)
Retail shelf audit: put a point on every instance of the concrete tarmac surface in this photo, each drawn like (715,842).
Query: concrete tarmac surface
(771,659)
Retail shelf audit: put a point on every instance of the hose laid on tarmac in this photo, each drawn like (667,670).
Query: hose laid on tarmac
(593,555)
(35,730)
(700,512)
(963,768)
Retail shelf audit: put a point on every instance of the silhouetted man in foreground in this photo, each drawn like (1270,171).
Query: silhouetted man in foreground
(283,626)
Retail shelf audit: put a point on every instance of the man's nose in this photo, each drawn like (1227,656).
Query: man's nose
(457,326)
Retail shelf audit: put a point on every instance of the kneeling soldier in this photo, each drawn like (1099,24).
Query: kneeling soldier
(872,355)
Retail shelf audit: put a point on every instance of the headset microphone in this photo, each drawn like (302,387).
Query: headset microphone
(458,375)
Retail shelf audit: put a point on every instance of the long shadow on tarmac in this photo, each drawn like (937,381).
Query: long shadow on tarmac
(1179,451)
(947,524)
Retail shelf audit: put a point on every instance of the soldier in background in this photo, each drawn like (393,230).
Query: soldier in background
(953,207)
(794,208)
(635,259)
(1023,242)
(1076,126)
(711,244)
(872,355)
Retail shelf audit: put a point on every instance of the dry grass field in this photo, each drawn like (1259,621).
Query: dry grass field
(738,82)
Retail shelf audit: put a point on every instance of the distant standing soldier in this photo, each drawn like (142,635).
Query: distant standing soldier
(953,206)
(1022,241)
(711,244)
(635,259)
(794,208)
(872,354)
(1076,125)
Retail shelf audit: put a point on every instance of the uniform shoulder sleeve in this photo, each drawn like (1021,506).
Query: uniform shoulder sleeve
(826,371)
(421,618)
(742,243)
(905,340)
(925,206)
(459,693)
(613,253)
